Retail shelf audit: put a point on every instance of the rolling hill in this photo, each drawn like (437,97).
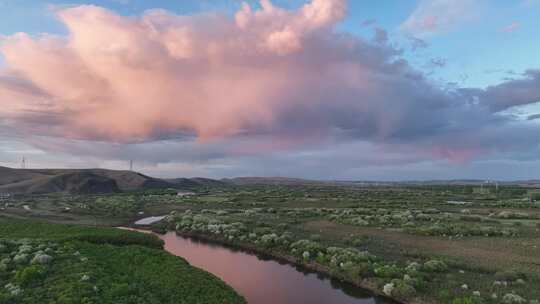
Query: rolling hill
(85,181)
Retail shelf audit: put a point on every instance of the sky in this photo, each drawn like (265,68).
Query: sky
(322,89)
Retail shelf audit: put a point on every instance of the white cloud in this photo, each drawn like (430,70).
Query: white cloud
(512,27)
(436,16)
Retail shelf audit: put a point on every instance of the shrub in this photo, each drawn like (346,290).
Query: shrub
(388,289)
(511,298)
(269,240)
(357,242)
(25,248)
(342,255)
(306,245)
(42,259)
(412,268)
(466,300)
(358,221)
(20,258)
(13,289)
(30,274)
(435,266)
(403,289)
(388,271)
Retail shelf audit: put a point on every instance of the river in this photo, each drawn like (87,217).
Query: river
(265,281)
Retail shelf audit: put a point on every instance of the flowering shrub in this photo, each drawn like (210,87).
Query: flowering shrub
(388,271)
(511,298)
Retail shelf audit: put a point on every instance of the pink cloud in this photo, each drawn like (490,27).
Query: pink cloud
(435,16)
(430,23)
(458,155)
(128,78)
(271,79)
(514,26)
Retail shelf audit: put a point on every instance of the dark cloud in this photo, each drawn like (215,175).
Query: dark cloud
(533,117)
(515,92)
(381,36)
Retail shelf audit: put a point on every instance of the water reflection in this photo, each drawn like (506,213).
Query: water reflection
(262,280)
(149,220)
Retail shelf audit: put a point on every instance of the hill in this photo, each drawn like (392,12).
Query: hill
(86,181)
(74,182)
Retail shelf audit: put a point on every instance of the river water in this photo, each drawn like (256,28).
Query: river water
(264,281)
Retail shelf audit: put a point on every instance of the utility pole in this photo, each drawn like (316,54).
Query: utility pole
(23,163)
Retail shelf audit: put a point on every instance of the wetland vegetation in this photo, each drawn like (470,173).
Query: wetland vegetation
(415,244)
(64,264)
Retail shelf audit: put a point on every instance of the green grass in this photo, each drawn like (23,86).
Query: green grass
(100,265)
(17,229)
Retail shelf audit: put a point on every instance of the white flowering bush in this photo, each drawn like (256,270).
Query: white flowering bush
(13,289)
(511,298)
(338,255)
(302,246)
(387,271)
(42,258)
(388,289)
(21,258)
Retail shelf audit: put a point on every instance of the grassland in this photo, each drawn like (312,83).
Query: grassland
(418,244)
(53,263)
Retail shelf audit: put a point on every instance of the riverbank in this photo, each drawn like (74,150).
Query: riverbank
(364,284)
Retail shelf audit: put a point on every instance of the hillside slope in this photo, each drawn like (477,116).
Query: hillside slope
(86,181)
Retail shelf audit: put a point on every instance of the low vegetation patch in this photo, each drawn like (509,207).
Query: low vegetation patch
(97,265)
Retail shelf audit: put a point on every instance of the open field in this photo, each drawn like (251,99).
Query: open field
(434,244)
